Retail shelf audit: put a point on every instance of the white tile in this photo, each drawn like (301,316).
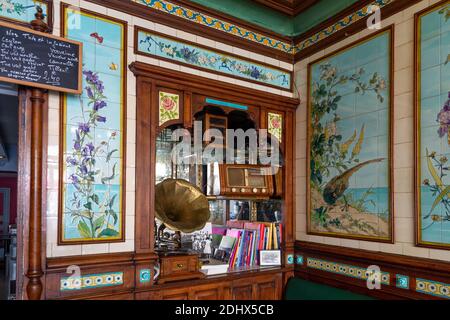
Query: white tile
(53,149)
(286,65)
(404,230)
(224,47)
(206,42)
(131,155)
(411,250)
(165,29)
(350,243)
(404,155)
(53,122)
(52,229)
(130,203)
(391,248)
(52,203)
(404,205)
(440,255)
(131,179)
(300,222)
(186,36)
(403,180)
(169,65)
(65,251)
(404,130)
(129,227)
(131,131)
(127,246)
(404,106)
(100,248)
(131,106)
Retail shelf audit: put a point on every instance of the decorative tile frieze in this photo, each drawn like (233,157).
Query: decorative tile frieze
(290,259)
(92,281)
(299,260)
(339,25)
(344,270)
(434,288)
(215,23)
(244,33)
(178,51)
(21,10)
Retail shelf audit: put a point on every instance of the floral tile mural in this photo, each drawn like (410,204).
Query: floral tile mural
(93,153)
(169,107)
(21,10)
(275,121)
(433,103)
(177,51)
(349,193)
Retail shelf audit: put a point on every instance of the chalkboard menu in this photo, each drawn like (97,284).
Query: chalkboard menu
(41,60)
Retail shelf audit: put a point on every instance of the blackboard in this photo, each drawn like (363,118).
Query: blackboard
(40,60)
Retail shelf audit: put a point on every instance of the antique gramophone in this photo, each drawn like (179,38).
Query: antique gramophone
(181,207)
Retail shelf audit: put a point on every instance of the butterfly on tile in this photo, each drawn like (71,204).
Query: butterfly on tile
(96,36)
(113,66)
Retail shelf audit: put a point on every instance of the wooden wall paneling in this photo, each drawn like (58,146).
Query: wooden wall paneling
(412,267)
(57,269)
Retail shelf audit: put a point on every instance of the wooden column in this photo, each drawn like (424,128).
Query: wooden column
(35,272)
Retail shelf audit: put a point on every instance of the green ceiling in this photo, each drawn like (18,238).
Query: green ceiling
(278,22)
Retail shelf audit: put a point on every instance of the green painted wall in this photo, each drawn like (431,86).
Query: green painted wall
(319,13)
(262,16)
(252,12)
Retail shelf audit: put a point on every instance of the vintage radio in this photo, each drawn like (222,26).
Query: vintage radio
(240,180)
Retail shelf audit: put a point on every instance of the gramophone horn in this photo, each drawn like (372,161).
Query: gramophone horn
(181,206)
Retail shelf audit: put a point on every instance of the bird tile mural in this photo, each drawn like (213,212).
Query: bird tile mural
(349,183)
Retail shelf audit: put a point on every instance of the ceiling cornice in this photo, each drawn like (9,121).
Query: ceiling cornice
(289,7)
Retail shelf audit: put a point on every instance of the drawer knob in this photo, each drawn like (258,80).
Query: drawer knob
(180,265)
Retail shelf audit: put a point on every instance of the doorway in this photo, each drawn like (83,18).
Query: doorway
(9,133)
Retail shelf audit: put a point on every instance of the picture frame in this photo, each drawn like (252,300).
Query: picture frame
(356,199)
(432,218)
(270,257)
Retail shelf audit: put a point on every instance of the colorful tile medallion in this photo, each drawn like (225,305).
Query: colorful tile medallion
(93,153)
(176,50)
(21,10)
(402,281)
(434,288)
(145,276)
(92,281)
(275,125)
(344,269)
(433,103)
(169,107)
(349,192)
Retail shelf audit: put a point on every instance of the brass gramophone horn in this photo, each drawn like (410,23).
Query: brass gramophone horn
(181,206)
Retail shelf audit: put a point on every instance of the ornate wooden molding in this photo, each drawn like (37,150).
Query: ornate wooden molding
(407,277)
(289,7)
(201,83)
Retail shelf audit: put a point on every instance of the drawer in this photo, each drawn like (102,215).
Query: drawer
(179,265)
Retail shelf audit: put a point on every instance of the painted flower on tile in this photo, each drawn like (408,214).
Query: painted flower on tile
(93,211)
(12,7)
(275,125)
(169,107)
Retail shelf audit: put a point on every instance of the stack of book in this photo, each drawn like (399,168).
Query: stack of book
(250,239)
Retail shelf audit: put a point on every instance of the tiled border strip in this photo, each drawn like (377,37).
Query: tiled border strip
(339,25)
(434,288)
(91,281)
(344,269)
(176,50)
